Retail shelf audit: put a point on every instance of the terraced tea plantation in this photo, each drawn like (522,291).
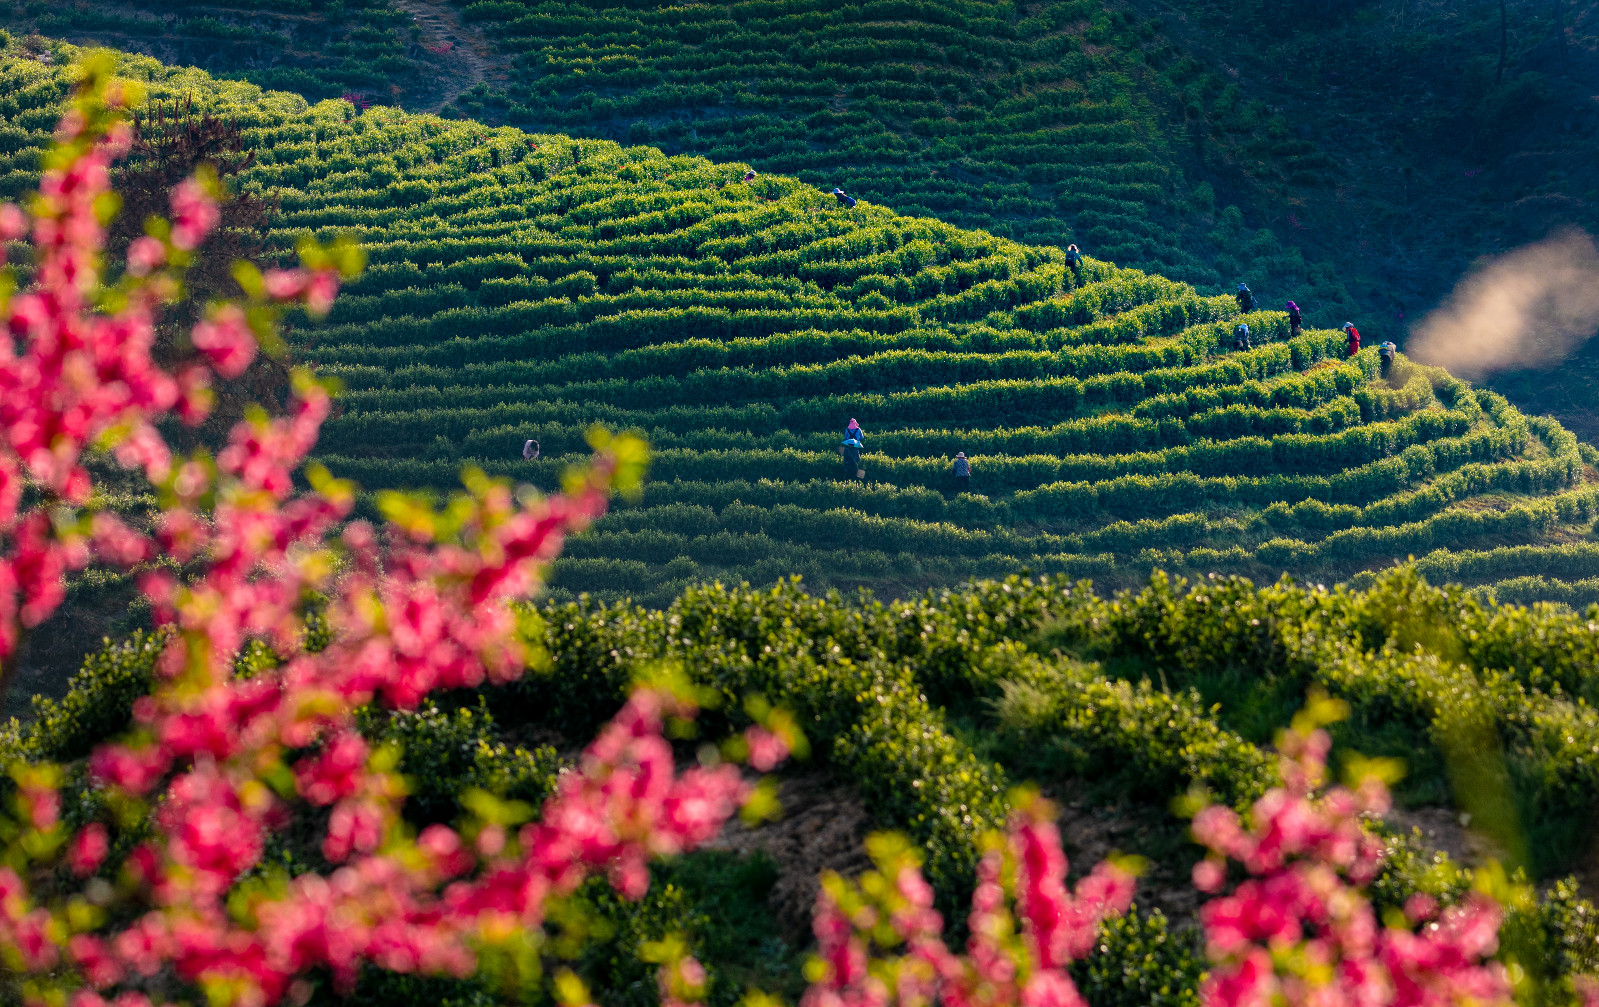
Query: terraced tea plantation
(1058,122)
(318,49)
(1055,123)
(528,286)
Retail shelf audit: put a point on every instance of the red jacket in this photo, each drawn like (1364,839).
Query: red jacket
(1354,340)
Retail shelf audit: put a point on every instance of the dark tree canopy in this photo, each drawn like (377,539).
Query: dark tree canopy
(171,143)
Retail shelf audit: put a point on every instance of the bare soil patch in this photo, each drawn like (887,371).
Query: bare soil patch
(1090,832)
(468,58)
(823,827)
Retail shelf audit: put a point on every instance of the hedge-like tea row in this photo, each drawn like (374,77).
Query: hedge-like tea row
(888,694)
(1360,645)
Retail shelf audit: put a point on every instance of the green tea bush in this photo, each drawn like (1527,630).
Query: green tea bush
(926,709)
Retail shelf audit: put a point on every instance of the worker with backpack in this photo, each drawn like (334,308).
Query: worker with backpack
(851,450)
(854,432)
(1241,337)
(1074,259)
(963,472)
(1246,300)
(1385,355)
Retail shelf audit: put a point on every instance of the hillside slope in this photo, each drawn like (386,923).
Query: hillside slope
(1051,123)
(1355,156)
(530,285)
(374,49)
(947,106)
(1439,146)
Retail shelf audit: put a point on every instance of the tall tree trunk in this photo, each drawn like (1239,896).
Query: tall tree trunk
(1499,76)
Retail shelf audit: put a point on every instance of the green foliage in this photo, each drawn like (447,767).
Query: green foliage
(1131,739)
(1140,963)
(927,709)
(319,50)
(98,703)
(612,962)
(715,900)
(444,753)
(530,284)
(1054,124)
(1428,673)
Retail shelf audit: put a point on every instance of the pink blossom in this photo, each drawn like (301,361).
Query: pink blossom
(409,613)
(1209,875)
(227,340)
(194,214)
(766,748)
(284,284)
(1057,927)
(115,542)
(88,850)
(334,774)
(145,255)
(1300,930)
(320,290)
(13,222)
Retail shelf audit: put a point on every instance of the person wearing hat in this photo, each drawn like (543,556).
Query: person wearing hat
(1074,259)
(1353,335)
(1246,300)
(847,201)
(1385,355)
(1241,337)
(963,473)
(1295,319)
(749,176)
(530,450)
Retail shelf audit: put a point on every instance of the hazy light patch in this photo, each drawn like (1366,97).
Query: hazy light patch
(1527,308)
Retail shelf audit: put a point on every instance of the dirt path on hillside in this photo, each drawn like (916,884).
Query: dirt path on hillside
(470,60)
